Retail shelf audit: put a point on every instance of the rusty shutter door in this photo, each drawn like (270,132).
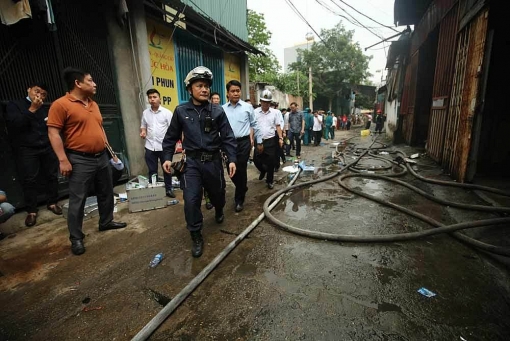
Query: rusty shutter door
(468,65)
(442,84)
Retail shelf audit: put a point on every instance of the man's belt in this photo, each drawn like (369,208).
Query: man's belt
(203,156)
(91,155)
(239,139)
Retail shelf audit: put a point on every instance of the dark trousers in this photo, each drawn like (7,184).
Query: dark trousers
(151,159)
(378,127)
(291,140)
(367,126)
(32,162)
(87,171)
(240,178)
(294,138)
(265,161)
(197,177)
(317,135)
(330,132)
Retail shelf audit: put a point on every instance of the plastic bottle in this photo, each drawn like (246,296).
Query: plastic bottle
(154,179)
(156,260)
(172,202)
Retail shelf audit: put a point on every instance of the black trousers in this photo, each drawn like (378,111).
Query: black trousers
(87,171)
(197,177)
(151,159)
(240,178)
(265,162)
(317,136)
(31,163)
(297,138)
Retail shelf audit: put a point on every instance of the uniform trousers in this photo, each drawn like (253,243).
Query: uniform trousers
(240,178)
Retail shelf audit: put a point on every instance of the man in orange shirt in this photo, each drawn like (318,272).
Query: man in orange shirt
(82,157)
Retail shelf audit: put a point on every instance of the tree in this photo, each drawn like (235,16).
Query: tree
(334,60)
(262,68)
(363,101)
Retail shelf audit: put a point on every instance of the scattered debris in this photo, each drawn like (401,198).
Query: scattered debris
(384,153)
(92,308)
(426,292)
(86,300)
(415,156)
(159,297)
(355,256)
(172,202)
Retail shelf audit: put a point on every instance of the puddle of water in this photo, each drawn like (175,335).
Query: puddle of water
(385,307)
(158,297)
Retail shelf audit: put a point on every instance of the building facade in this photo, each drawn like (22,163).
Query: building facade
(129,46)
(454,71)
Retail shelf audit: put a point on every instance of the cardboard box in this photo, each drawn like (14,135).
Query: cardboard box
(145,198)
(89,211)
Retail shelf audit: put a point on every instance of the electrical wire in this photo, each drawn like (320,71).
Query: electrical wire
(366,16)
(291,5)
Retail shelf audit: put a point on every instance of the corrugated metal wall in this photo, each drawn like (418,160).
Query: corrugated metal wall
(230,14)
(409,98)
(435,13)
(442,84)
(468,66)
(190,53)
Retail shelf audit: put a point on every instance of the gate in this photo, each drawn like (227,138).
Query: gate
(464,97)
(442,84)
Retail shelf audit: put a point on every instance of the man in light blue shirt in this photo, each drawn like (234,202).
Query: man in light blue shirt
(242,120)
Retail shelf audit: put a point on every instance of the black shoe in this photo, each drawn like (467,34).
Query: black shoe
(198,244)
(262,175)
(219,216)
(77,247)
(276,170)
(209,206)
(170,193)
(31,219)
(239,207)
(112,225)
(270,185)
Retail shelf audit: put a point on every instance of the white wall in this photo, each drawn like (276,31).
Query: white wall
(391,108)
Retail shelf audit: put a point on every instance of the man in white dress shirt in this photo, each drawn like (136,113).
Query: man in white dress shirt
(155,123)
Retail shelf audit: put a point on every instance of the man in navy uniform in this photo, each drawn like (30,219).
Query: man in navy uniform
(205,129)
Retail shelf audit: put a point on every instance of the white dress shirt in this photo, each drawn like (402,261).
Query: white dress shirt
(267,122)
(156,123)
(317,123)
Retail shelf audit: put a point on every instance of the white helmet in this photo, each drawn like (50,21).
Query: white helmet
(200,72)
(267,96)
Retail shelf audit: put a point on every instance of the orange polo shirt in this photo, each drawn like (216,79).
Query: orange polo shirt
(81,126)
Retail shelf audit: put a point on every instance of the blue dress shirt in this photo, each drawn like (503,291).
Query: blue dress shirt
(241,119)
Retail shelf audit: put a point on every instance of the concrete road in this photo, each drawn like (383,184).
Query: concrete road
(274,285)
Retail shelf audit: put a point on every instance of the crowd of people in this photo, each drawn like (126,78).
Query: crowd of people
(69,138)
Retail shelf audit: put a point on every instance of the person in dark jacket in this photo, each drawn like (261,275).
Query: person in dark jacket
(205,129)
(26,125)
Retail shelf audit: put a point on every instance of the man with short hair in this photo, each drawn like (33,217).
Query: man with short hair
(296,128)
(26,125)
(155,123)
(242,120)
(205,130)
(75,118)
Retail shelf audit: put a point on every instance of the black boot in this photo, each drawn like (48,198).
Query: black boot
(198,244)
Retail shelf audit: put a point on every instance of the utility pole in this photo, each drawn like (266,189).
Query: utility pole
(309,38)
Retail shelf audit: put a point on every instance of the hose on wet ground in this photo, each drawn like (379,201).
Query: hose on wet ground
(439,227)
(168,309)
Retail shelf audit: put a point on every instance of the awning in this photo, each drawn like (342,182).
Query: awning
(397,48)
(409,12)
(205,28)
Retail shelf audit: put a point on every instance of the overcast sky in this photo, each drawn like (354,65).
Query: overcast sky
(288,29)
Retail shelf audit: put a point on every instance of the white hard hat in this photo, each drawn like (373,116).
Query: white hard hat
(267,96)
(200,72)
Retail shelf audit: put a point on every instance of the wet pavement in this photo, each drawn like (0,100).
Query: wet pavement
(274,285)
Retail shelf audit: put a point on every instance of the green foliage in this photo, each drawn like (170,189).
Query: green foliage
(334,60)
(363,102)
(262,68)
